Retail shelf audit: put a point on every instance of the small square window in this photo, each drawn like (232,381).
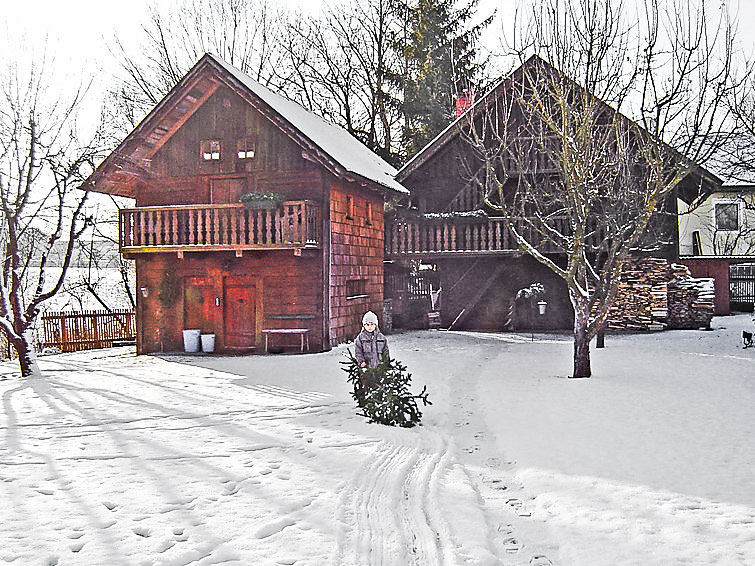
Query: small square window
(727,216)
(210,150)
(245,148)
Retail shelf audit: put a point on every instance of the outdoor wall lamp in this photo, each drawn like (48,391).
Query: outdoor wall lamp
(144,291)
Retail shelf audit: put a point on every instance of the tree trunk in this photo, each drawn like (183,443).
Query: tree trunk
(27,358)
(581,346)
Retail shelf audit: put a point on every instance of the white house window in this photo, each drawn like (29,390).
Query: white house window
(727,216)
(210,150)
(245,149)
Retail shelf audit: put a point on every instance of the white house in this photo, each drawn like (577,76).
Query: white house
(717,233)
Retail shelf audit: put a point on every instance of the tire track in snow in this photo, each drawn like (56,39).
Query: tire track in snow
(387,512)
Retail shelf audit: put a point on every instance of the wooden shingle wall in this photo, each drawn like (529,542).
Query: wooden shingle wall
(356,255)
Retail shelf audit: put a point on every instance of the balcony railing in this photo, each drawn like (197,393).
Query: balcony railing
(215,227)
(462,235)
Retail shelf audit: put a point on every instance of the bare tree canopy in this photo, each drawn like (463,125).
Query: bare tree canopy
(384,70)
(557,157)
(42,163)
(246,33)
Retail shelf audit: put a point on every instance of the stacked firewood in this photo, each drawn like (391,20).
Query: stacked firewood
(691,300)
(642,300)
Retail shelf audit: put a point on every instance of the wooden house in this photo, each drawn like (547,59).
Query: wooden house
(450,239)
(311,265)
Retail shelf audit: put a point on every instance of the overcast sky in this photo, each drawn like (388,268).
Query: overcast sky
(78,31)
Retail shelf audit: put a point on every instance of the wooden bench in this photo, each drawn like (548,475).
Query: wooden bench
(302,332)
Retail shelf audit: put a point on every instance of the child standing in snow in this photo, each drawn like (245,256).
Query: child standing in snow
(370,345)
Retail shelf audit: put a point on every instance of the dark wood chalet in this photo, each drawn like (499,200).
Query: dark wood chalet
(449,239)
(312,265)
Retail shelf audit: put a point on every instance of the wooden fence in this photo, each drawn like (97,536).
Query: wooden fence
(87,330)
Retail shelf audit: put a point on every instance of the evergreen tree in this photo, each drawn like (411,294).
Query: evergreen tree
(440,54)
(382,392)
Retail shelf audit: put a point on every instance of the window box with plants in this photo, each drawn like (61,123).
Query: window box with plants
(262,201)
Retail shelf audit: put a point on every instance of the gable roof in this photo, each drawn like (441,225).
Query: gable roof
(323,142)
(454,128)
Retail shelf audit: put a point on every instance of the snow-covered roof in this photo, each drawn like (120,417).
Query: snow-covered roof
(339,144)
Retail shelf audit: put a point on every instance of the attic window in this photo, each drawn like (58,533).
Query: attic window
(210,150)
(349,207)
(245,148)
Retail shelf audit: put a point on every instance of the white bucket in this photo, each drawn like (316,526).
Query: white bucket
(191,340)
(208,343)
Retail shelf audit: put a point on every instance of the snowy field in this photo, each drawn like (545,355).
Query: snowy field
(112,459)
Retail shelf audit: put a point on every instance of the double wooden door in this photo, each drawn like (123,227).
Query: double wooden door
(228,308)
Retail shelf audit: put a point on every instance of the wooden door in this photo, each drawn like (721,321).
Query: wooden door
(201,304)
(227,191)
(239,312)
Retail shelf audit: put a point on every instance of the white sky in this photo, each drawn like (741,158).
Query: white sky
(78,31)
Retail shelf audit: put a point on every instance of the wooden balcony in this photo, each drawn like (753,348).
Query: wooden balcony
(218,227)
(458,236)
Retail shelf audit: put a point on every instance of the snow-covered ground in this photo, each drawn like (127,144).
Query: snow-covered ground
(113,459)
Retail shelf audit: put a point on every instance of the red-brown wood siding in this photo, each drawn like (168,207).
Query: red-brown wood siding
(227,117)
(286,289)
(356,254)
(718,269)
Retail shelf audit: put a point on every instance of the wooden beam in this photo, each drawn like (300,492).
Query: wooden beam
(182,119)
(469,307)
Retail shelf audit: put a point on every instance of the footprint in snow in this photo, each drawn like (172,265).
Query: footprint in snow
(518,507)
(142,532)
(511,544)
(77,546)
(110,505)
(274,527)
(540,560)
(497,484)
(165,545)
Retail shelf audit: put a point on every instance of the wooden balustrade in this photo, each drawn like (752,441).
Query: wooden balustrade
(206,227)
(461,235)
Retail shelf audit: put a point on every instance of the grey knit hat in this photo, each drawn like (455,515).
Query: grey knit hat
(369,316)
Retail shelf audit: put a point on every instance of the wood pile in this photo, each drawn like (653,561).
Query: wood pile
(691,300)
(642,300)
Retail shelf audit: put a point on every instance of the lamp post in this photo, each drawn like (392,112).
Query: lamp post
(541,307)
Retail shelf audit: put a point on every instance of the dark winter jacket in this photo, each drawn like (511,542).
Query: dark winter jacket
(371,347)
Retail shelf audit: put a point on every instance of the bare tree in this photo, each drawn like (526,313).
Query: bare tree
(42,163)
(341,66)
(569,171)
(243,32)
